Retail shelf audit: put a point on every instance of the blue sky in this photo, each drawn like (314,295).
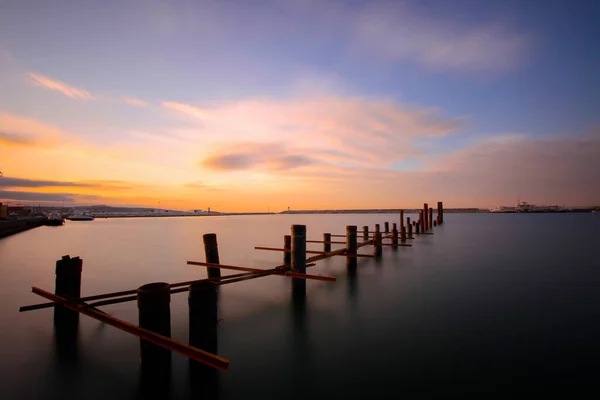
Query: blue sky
(476,71)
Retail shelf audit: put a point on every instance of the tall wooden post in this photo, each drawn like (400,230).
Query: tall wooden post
(67,284)
(425,223)
(386,227)
(211,250)
(377,248)
(299,259)
(351,246)
(418,226)
(410,227)
(377,228)
(394,234)
(154,312)
(440,213)
(287,249)
(401,219)
(365,233)
(327,242)
(430,219)
(403,234)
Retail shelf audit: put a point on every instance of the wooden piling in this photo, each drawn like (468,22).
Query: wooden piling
(434,223)
(67,285)
(403,234)
(377,228)
(401,219)
(287,249)
(365,233)
(417,227)
(211,249)
(377,248)
(327,242)
(299,259)
(440,213)
(154,312)
(394,233)
(351,246)
(425,223)
(430,219)
(386,227)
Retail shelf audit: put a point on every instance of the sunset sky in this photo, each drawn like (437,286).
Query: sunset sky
(257,105)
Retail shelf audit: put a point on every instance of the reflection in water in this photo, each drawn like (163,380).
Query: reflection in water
(154,381)
(301,351)
(203,303)
(66,337)
(352,288)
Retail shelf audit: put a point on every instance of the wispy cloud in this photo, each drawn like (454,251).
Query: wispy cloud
(132,101)
(185,108)
(35,196)
(279,135)
(72,92)
(396,32)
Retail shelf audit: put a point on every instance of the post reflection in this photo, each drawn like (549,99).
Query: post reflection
(203,306)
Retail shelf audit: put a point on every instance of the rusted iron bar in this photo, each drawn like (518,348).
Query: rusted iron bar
(123,293)
(201,356)
(276,271)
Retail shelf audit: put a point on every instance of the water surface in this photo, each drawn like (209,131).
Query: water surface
(490,304)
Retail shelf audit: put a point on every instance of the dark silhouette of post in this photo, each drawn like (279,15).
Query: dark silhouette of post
(386,227)
(287,250)
(403,234)
(410,227)
(377,228)
(299,259)
(154,313)
(365,233)
(351,246)
(327,242)
(430,219)
(394,234)
(425,223)
(211,250)
(68,285)
(401,220)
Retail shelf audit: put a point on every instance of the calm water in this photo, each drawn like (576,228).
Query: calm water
(490,304)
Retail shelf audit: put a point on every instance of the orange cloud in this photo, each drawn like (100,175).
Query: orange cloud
(16,130)
(326,129)
(74,93)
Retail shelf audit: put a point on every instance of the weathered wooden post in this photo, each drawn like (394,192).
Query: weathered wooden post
(403,234)
(394,234)
(421,222)
(299,259)
(430,219)
(211,249)
(434,223)
(154,313)
(440,213)
(68,285)
(425,223)
(327,242)
(386,227)
(377,228)
(410,227)
(365,233)
(417,227)
(351,246)
(287,249)
(377,248)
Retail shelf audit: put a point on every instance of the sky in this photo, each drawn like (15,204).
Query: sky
(308,104)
